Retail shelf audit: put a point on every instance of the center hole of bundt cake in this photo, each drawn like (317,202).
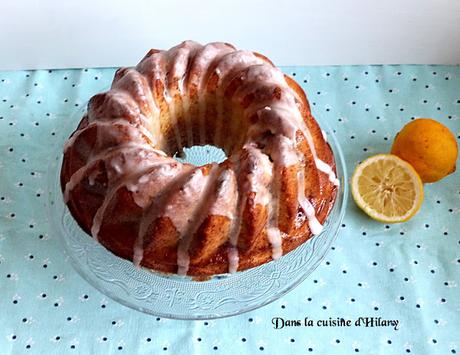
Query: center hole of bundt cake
(199,155)
(201,130)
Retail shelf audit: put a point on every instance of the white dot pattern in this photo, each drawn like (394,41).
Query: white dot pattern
(408,272)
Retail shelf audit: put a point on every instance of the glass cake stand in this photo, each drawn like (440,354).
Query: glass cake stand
(181,297)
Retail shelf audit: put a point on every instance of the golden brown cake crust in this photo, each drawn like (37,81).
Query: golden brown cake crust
(274,191)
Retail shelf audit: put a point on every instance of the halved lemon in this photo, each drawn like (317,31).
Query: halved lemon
(387,188)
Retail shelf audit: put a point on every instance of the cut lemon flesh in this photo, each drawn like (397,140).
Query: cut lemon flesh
(387,188)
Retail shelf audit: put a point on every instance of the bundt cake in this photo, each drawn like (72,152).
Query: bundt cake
(272,193)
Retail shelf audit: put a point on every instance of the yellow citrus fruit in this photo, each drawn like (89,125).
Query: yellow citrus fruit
(387,188)
(429,147)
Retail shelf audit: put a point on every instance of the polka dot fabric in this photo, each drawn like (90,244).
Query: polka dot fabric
(408,272)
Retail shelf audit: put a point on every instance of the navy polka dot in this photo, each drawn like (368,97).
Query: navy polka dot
(366,106)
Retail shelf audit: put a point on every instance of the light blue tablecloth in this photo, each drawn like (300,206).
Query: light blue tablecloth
(406,272)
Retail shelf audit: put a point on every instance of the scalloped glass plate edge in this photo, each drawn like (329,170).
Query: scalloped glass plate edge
(179,298)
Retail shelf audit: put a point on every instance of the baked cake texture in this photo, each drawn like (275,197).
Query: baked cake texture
(273,192)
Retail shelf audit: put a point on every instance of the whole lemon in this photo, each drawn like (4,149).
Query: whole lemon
(429,146)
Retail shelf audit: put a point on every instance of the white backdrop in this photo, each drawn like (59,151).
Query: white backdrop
(88,33)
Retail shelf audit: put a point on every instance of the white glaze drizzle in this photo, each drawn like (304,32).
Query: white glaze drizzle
(173,117)
(204,58)
(136,142)
(154,67)
(78,175)
(195,218)
(107,123)
(117,103)
(274,235)
(233,259)
(327,169)
(313,223)
(230,65)
(147,185)
(323,132)
(282,117)
(273,232)
(260,175)
(143,95)
(183,203)
(153,210)
(258,180)
(185,51)
(134,172)
(283,151)
(135,85)
(235,227)
(225,202)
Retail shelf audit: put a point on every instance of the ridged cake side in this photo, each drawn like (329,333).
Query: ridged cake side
(272,193)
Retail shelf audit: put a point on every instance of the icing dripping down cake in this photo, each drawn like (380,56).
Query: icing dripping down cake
(272,193)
